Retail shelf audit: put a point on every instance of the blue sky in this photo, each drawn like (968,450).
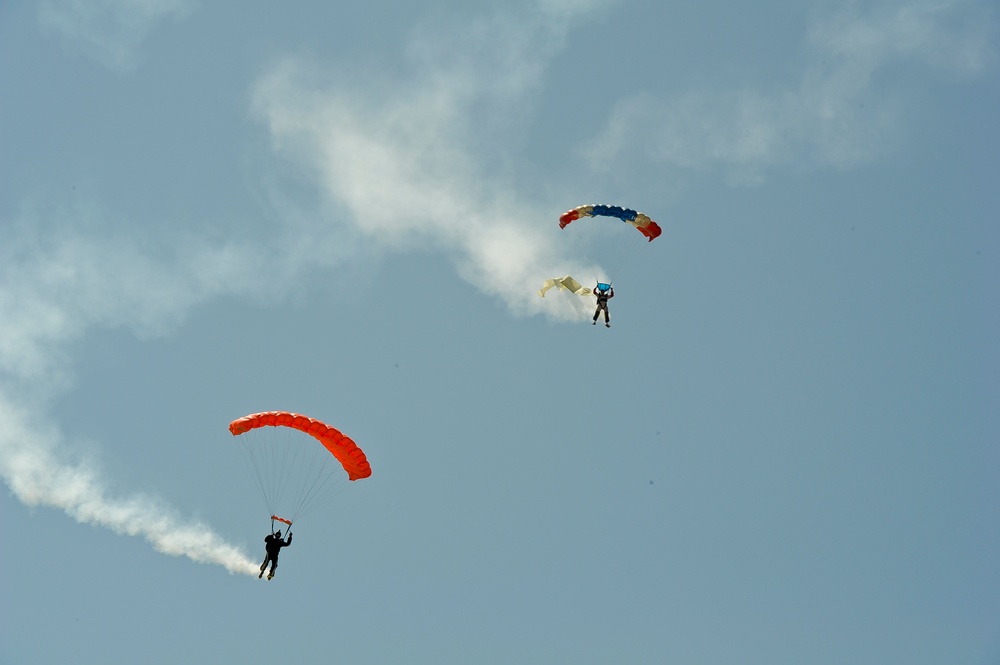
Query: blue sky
(785,450)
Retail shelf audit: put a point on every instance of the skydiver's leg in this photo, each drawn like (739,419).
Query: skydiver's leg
(263,566)
(274,564)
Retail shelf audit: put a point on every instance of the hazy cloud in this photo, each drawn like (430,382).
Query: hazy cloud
(953,35)
(836,113)
(410,163)
(110,31)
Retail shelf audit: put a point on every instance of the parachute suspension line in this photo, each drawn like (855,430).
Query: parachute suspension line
(262,455)
(306,457)
(250,458)
(291,470)
(323,486)
(290,453)
(593,236)
(291,464)
(299,468)
(318,486)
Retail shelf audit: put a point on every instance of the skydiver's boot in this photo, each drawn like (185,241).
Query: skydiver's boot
(270,575)
(607,324)
(594,323)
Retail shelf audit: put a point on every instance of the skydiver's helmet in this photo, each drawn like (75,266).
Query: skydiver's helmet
(277,534)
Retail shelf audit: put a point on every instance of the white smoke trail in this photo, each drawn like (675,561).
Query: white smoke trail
(31,464)
(51,291)
(109,31)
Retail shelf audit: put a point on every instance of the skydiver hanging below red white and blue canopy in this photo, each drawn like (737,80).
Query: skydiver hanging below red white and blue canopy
(604,293)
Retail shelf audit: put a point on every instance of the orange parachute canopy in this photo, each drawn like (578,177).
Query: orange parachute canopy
(342,447)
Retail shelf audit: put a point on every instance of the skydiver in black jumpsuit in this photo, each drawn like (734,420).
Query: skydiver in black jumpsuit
(273,545)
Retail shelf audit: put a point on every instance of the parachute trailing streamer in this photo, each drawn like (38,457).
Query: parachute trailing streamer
(643,223)
(566,283)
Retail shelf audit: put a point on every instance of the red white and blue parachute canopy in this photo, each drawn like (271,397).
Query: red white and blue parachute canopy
(646,226)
